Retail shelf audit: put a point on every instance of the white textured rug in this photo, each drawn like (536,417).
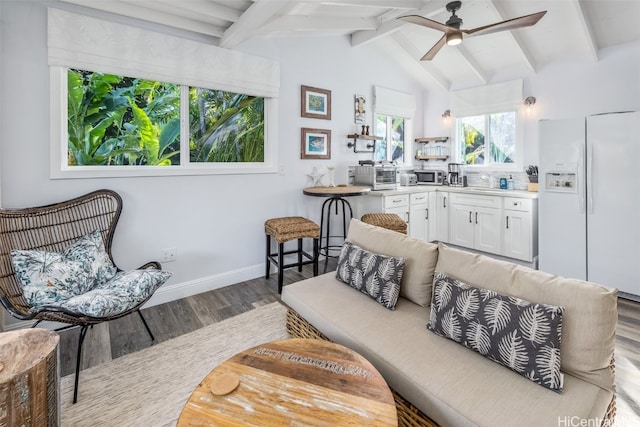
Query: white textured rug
(150,387)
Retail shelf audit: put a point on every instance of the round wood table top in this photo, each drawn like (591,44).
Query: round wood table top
(294,382)
(337,191)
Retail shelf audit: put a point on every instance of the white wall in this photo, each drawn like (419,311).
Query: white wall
(216,222)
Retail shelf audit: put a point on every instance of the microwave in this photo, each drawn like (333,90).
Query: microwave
(430,177)
(378,177)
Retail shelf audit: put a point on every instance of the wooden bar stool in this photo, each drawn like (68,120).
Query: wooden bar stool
(283,230)
(386,220)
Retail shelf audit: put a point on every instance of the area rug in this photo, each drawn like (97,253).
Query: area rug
(150,387)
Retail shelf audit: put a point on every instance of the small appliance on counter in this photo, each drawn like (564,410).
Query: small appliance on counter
(456,176)
(378,175)
(429,177)
(408,179)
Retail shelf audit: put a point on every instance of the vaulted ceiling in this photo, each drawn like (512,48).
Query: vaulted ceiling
(573,30)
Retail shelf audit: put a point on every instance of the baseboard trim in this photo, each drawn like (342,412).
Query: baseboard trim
(177,291)
(172,292)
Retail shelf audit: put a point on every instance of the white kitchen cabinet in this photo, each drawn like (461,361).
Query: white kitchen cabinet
(440,222)
(419,215)
(518,232)
(475,222)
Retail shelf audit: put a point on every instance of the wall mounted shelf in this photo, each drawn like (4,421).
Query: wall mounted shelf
(371,146)
(433,139)
(427,158)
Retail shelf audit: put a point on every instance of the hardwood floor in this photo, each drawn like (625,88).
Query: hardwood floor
(117,338)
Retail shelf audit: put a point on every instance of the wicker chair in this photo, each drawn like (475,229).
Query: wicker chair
(52,228)
(386,220)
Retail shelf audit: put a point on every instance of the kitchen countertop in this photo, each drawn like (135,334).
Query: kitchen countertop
(469,190)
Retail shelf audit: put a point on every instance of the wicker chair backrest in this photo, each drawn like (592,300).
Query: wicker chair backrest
(52,228)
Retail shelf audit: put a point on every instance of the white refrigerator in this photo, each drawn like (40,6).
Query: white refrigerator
(589,199)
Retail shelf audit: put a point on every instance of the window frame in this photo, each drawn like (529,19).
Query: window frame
(59,168)
(407,137)
(519,146)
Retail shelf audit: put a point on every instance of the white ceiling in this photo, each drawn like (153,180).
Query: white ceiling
(573,30)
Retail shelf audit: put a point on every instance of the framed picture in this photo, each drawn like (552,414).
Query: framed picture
(315,103)
(360,109)
(315,144)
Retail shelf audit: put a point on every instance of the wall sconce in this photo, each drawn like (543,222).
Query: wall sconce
(529,101)
(446,116)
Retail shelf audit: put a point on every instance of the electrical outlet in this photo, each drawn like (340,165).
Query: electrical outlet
(169,254)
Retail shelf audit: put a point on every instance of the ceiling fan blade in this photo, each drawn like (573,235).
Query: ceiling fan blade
(435,49)
(420,20)
(510,24)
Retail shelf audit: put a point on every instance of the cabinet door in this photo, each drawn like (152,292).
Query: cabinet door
(517,235)
(402,212)
(461,225)
(487,230)
(419,221)
(441,217)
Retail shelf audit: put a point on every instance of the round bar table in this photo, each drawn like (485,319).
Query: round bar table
(336,199)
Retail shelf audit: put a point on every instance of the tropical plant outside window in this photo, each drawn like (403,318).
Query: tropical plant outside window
(392,130)
(487,139)
(120,121)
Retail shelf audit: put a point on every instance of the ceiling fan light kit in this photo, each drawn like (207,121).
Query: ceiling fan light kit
(453,34)
(454,39)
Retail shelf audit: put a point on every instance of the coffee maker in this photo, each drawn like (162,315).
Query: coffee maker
(456,177)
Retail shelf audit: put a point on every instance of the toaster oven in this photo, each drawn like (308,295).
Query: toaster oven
(378,177)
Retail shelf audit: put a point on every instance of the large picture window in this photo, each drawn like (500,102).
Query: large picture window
(176,107)
(123,121)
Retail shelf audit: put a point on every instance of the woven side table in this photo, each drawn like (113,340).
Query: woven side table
(29,392)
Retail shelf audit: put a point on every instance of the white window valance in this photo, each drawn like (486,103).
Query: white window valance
(487,99)
(88,43)
(393,103)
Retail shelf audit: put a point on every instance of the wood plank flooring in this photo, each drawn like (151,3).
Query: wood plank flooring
(117,338)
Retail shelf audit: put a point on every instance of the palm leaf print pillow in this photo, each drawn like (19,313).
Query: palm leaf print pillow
(376,275)
(518,334)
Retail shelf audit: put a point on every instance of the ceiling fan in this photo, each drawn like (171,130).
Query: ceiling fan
(453,34)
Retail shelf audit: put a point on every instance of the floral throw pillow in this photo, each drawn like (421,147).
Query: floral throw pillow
(123,292)
(47,278)
(90,251)
(376,275)
(518,334)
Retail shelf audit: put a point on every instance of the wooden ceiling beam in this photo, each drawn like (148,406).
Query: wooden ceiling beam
(412,55)
(387,4)
(392,25)
(256,15)
(515,38)
(304,23)
(590,39)
(472,64)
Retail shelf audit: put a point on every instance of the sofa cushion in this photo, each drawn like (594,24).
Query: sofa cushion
(420,257)
(523,336)
(451,384)
(377,276)
(590,310)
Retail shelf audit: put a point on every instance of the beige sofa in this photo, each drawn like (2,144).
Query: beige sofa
(451,384)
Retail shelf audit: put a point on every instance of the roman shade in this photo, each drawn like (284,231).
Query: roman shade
(78,41)
(497,98)
(394,103)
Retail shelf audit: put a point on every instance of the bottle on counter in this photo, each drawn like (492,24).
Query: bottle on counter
(503,183)
(511,184)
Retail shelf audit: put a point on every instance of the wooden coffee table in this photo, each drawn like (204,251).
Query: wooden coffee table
(294,382)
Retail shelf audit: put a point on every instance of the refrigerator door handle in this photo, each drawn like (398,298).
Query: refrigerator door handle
(590,175)
(581,178)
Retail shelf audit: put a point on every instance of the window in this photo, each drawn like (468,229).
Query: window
(123,121)
(149,112)
(392,130)
(488,139)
